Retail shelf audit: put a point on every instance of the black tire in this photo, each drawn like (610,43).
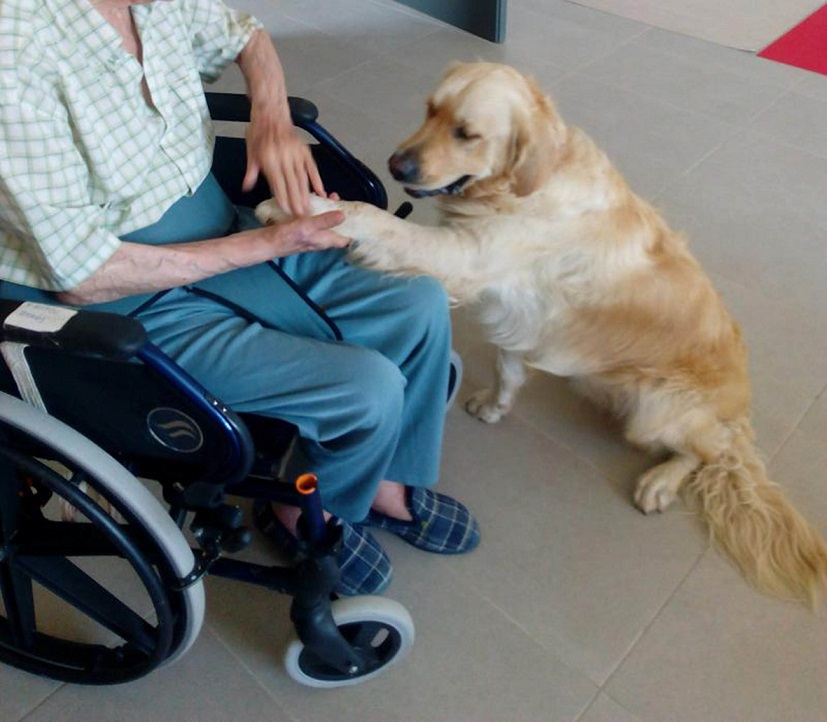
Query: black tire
(59,617)
(380,629)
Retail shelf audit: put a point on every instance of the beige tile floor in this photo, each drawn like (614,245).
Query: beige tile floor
(575,606)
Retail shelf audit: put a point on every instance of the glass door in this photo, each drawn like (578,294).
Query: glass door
(485,18)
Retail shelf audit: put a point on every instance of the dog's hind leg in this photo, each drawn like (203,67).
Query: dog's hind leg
(490,405)
(658,487)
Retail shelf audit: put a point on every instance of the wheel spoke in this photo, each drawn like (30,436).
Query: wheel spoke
(18,599)
(10,494)
(15,587)
(63,578)
(57,617)
(65,538)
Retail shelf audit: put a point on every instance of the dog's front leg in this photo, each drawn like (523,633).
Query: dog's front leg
(490,405)
(390,244)
(386,243)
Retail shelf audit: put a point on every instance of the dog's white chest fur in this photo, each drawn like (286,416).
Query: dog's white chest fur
(531,316)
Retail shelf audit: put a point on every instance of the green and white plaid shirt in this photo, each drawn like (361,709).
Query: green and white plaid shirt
(83,157)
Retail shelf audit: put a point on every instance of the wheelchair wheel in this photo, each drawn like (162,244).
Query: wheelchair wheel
(380,629)
(92,600)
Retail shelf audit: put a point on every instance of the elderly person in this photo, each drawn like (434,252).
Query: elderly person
(106,201)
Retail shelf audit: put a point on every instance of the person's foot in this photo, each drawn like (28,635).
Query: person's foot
(365,567)
(438,523)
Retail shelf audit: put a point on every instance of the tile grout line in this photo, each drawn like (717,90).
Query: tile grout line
(643,630)
(545,649)
(622,44)
(736,133)
(241,663)
(605,694)
(795,428)
(589,705)
(43,701)
(655,617)
(568,447)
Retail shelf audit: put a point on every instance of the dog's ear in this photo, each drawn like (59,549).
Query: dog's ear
(452,67)
(537,140)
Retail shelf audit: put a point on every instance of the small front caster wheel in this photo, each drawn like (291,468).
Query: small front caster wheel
(380,630)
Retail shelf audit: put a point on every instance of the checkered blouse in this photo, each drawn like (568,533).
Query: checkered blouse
(83,157)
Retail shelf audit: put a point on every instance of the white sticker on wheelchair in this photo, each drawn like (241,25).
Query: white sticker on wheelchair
(39,317)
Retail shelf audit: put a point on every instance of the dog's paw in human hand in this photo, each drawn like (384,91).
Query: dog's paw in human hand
(319,205)
(270,213)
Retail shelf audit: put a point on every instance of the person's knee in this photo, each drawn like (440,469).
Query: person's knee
(385,387)
(430,296)
(379,391)
(427,307)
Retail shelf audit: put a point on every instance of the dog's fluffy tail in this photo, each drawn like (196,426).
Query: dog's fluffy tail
(754,524)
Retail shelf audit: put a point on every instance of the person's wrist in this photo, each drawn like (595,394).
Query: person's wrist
(270,109)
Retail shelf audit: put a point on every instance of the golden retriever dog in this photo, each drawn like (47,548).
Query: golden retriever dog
(571,273)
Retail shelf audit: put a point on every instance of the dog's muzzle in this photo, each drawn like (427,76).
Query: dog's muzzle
(451,189)
(404,167)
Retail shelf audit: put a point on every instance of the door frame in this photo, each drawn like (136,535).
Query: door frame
(485,18)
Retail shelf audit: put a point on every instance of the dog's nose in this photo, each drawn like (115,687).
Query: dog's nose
(404,166)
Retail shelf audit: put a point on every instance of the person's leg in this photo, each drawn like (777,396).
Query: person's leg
(406,320)
(346,400)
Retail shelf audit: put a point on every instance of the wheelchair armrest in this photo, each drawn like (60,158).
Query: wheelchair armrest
(303,111)
(235,107)
(341,171)
(87,333)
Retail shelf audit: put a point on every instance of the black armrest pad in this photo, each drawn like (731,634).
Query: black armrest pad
(229,106)
(235,107)
(303,111)
(89,333)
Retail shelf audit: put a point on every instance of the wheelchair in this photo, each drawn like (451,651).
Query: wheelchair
(101,575)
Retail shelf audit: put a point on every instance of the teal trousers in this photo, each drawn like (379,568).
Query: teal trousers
(356,360)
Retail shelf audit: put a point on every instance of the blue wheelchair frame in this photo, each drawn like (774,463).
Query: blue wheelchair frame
(99,355)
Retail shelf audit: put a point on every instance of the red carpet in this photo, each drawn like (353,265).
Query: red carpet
(805,46)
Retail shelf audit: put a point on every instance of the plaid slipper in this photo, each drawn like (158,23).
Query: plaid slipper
(364,566)
(440,524)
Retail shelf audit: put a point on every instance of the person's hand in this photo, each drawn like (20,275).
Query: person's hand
(275,149)
(302,234)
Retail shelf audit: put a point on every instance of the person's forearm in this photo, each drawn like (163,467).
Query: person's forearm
(274,149)
(138,268)
(263,73)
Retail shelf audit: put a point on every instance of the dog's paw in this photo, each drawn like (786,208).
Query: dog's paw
(483,407)
(270,213)
(319,205)
(655,491)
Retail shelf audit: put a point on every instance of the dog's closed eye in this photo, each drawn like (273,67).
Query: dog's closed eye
(461,132)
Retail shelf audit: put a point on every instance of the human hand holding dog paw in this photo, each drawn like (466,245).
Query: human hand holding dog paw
(288,234)
(270,212)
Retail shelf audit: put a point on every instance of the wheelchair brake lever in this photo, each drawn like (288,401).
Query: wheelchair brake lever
(203,561)
(213,542)
(404,210)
